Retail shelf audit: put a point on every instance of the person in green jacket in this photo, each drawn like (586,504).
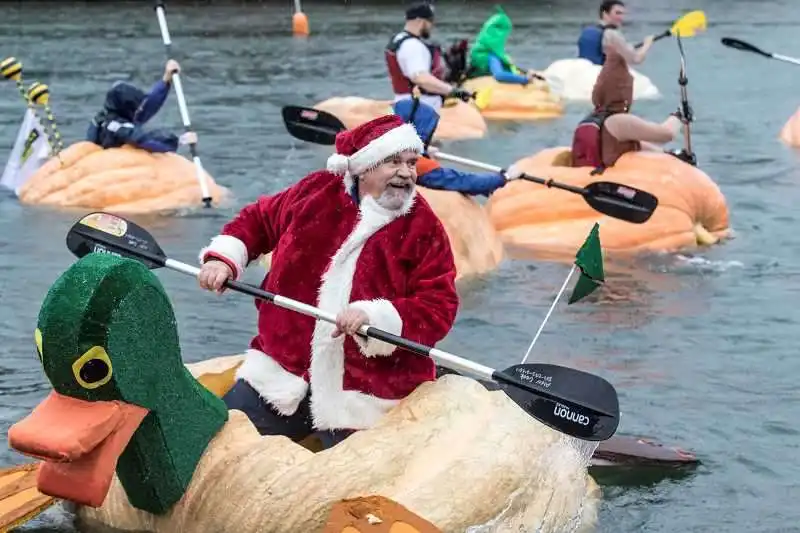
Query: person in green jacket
(489,57)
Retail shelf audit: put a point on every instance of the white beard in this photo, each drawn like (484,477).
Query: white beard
(395,199)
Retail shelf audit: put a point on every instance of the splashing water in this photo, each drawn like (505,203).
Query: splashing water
(560,493)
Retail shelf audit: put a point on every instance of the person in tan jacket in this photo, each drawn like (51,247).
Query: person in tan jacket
(610,130)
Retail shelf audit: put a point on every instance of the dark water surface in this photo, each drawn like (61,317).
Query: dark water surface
(703,353)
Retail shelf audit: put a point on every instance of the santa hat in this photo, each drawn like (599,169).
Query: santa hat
(370,144)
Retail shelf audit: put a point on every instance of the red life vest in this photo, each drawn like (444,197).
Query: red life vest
(401,84)
(587,143)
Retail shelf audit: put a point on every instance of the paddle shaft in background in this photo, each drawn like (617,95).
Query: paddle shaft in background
(187,124)
(686,110)
(612,199)
(492,168)
(744,46)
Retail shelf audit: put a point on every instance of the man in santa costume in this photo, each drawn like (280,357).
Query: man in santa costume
(356,240)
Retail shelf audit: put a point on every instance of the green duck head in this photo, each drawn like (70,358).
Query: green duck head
(122,399)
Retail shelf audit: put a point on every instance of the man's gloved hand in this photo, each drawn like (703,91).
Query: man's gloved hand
(513,172)
(462,94)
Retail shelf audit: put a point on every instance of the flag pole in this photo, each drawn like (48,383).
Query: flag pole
(550,312)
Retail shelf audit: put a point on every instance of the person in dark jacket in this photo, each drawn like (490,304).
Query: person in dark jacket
(127,109)
(433,176)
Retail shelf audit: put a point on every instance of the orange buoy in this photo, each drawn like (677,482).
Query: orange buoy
(299,20)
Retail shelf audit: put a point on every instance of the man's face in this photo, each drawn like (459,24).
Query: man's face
(616,16)
(392,182)
(427,28)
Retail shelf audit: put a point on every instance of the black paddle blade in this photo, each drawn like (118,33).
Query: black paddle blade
(311,125)
(573,402)
(110,234)
(738,44)
(621,201)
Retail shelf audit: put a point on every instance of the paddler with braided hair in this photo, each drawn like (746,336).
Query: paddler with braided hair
(610,130)
(355,240)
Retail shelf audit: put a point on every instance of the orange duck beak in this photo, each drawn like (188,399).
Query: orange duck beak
(80,443)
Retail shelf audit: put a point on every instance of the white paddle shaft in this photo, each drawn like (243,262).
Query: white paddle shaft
(786,58)
(467,162)
(445,359)
(184,110)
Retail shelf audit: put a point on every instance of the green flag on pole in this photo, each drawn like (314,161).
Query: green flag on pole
(590,260)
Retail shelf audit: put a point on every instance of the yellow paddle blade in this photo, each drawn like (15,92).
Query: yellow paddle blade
(689,24)
(19,499)
(483,97)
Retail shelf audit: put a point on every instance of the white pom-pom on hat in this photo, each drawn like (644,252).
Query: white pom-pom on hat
(338,164)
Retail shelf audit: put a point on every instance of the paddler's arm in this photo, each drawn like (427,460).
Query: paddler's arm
(157,96)
(427,310)
(158,141)
(450,179)
(502,75)
(633,56)
(152,102)
(414,59)
(627,127)
(254,231)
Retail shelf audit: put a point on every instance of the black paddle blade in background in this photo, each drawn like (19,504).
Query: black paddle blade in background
(587,408)
(620,201)
(737,44)
(311,125)
(107,233)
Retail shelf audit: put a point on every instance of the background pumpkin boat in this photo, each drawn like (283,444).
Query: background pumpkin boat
(123,180)
(691,208)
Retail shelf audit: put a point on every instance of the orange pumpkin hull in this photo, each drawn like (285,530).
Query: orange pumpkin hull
(123,180)
(510,101)
(790,133)
(476,246)
(458,121)
(551,223)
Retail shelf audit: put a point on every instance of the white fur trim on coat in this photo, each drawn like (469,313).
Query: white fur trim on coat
(282,389)
(383,315)
(332,407)
(231,249)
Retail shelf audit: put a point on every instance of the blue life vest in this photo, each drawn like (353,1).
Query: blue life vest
(590,43)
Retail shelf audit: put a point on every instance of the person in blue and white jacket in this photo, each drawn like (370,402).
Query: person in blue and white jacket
(432,175)
(127,109)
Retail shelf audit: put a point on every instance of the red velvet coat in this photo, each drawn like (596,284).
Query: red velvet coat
(329,252)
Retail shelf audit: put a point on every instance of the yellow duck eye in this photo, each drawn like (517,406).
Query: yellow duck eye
(37,335)
(92,369)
